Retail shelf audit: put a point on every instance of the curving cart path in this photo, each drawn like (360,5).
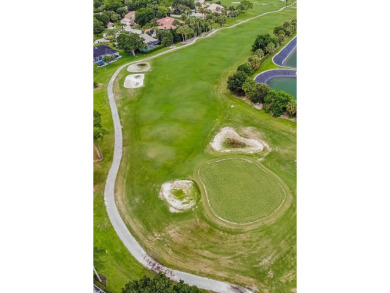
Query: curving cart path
(120,227)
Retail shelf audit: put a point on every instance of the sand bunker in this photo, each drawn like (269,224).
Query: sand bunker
(228,140)
(180,195)
(134,81)
(139,67)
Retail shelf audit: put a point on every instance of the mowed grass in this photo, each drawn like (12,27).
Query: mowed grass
(167,125)
(241,191)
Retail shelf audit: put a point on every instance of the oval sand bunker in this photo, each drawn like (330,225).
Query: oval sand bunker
(180,195)
(139,67)
(134,81)
(228,140)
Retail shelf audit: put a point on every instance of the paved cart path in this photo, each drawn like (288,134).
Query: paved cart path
(120,228)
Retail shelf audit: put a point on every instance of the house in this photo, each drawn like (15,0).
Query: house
(150,32)
(129,18)
(215,8)
(197,15)
(128,28)
(150,41)
(102,50)
(110,25)
(166,23)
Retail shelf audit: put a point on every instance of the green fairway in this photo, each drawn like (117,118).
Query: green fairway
(167,125)
(241,191)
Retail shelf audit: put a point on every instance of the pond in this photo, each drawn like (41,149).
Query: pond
(291,60)
(287,84)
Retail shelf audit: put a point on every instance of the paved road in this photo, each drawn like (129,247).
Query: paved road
(120,228)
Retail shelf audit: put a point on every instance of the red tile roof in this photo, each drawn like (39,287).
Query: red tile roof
(166,23)
(130,15)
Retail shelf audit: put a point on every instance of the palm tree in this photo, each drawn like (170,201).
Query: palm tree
(210,22)
(291,107)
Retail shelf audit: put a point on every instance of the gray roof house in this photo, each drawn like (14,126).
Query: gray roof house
(148,40)
(102,50)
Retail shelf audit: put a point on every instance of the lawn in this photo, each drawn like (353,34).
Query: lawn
(167,125)
(240,190)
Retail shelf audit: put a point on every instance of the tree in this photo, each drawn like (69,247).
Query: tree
(294,25)
(162,11)
(188,3)
(144,15)
(159,283)
(245,68)
(98,131)
(110,34)
(197,6)
(262,41)
(210,23)
(122,11)
(254,62)
(95,68)
(259,53)
(184,30)
(108,58)
(130,42)
(246,4)
(98,27)
(277,30)
(256,92)
(270,48)
(281,37)
(236,81)
(112,4)
(276,102)
(103,18)
(221,19)
(291,107)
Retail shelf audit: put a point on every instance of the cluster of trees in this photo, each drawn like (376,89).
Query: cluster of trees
(159,283)
(98,131)
(237,10)
(279,102)
(130,42)
(269,44)
(107,11)
(242,76)
(191,27)
(285,30)
(240,83)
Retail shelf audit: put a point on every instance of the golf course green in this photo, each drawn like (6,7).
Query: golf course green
(241,191)
(167,125)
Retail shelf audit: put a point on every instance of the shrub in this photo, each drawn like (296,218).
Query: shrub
(245,68)
(236,81)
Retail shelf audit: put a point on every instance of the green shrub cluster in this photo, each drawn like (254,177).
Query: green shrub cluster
(159,284)
(240,83)
(279,102)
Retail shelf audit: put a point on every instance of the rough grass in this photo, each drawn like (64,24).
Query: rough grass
(240,191)
(166,126)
